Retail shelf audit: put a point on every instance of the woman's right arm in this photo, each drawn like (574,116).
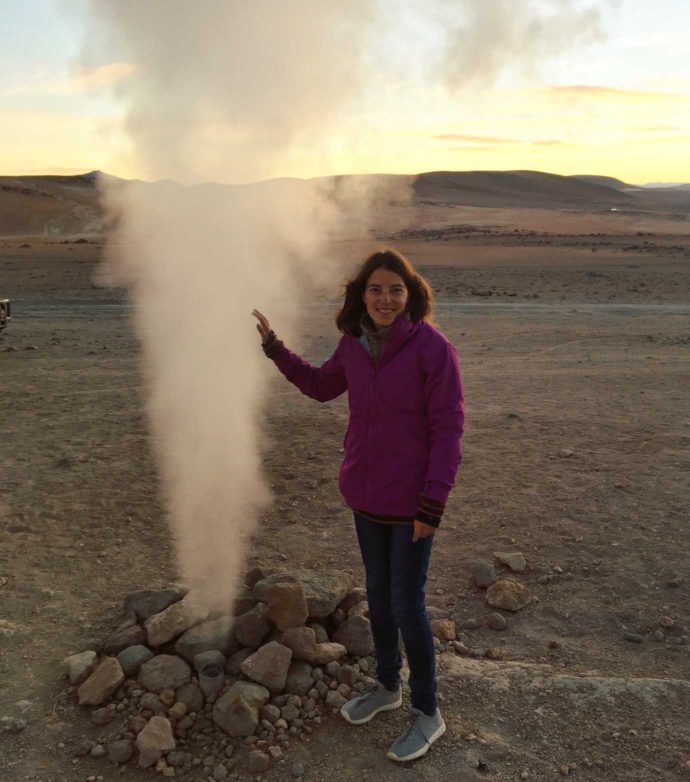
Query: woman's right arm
(321,383)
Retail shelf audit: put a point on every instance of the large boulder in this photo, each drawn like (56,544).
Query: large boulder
(323,591)
(146,603)
(102,683)
(214,634)
(302,642)
(164,672)
(355,635)
(287,606)
(269,666)
(175,620)
(237,712)
(154,741)
(252,627)
(261,590)
(128,634)
(508,594)
(132,658)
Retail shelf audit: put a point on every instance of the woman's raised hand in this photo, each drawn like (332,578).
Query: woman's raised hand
(263,326)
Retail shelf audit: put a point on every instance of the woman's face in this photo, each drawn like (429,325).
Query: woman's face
(385,297)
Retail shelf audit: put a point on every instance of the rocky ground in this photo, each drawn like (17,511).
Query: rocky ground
(576,456)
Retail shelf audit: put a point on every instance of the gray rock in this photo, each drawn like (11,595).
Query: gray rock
(102,716)
(120,751)
(320,632)
(270,713)
(244,602)
(146,603)
(355,635)
(232,666)
(165,671)
(269,666)
(132,658)
(361,609)
(483,573)
(191,696)
(177,759)
(352,598)
(80,666)
(335,699)
(154,741)
(286,605)
(132,635)
(324,591)
(496,621)
(175,620)
(347,674)
(509,595)
(152,702)
(101,684)
(262,588)
(237,711)
(253,576)
(299,680)
(98,751)
(513,560)
(258,762)
(252,627)
(215,634)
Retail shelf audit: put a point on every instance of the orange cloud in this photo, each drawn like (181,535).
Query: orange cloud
(599,91)
(490,141)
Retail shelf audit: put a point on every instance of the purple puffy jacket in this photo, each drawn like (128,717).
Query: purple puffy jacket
(403,441)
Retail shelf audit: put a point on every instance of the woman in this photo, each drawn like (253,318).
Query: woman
(402,451)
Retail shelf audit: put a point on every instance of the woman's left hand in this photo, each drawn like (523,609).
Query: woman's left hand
(422,530)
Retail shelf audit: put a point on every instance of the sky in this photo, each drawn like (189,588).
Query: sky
(614,103)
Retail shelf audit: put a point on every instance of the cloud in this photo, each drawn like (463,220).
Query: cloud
(84,80)
(483,142)
(486,39)
(475,139)
(610,93)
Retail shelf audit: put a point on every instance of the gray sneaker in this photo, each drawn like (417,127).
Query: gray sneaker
(419,735)
(365,706)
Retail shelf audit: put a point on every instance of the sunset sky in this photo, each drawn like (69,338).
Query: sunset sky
(616,104)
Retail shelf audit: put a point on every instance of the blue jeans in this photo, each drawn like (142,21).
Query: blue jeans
(396,570)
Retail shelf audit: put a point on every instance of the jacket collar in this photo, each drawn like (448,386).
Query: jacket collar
(401,330)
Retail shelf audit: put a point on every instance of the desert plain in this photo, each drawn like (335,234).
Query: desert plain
(569,305)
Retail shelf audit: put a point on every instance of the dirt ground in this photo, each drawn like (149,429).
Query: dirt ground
(573,340)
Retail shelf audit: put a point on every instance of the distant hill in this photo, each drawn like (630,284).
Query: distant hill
(69,205)
(49,205)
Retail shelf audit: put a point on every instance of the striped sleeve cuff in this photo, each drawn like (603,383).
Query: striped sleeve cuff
(430,511)
(272,344)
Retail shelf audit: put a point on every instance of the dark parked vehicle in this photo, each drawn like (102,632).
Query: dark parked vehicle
(5,313)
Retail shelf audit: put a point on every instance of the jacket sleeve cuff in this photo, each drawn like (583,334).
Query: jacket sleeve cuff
(430,511)
(272,345)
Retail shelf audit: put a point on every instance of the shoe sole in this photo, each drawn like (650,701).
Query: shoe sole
(418,754)
(387,707)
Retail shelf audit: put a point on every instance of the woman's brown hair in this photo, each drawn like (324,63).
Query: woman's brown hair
(420,297)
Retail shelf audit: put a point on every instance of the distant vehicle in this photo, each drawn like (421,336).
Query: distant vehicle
(5,313)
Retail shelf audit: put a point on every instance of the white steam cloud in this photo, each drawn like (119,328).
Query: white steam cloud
(222,89)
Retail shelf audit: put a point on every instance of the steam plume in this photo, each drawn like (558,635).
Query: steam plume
(222,89)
